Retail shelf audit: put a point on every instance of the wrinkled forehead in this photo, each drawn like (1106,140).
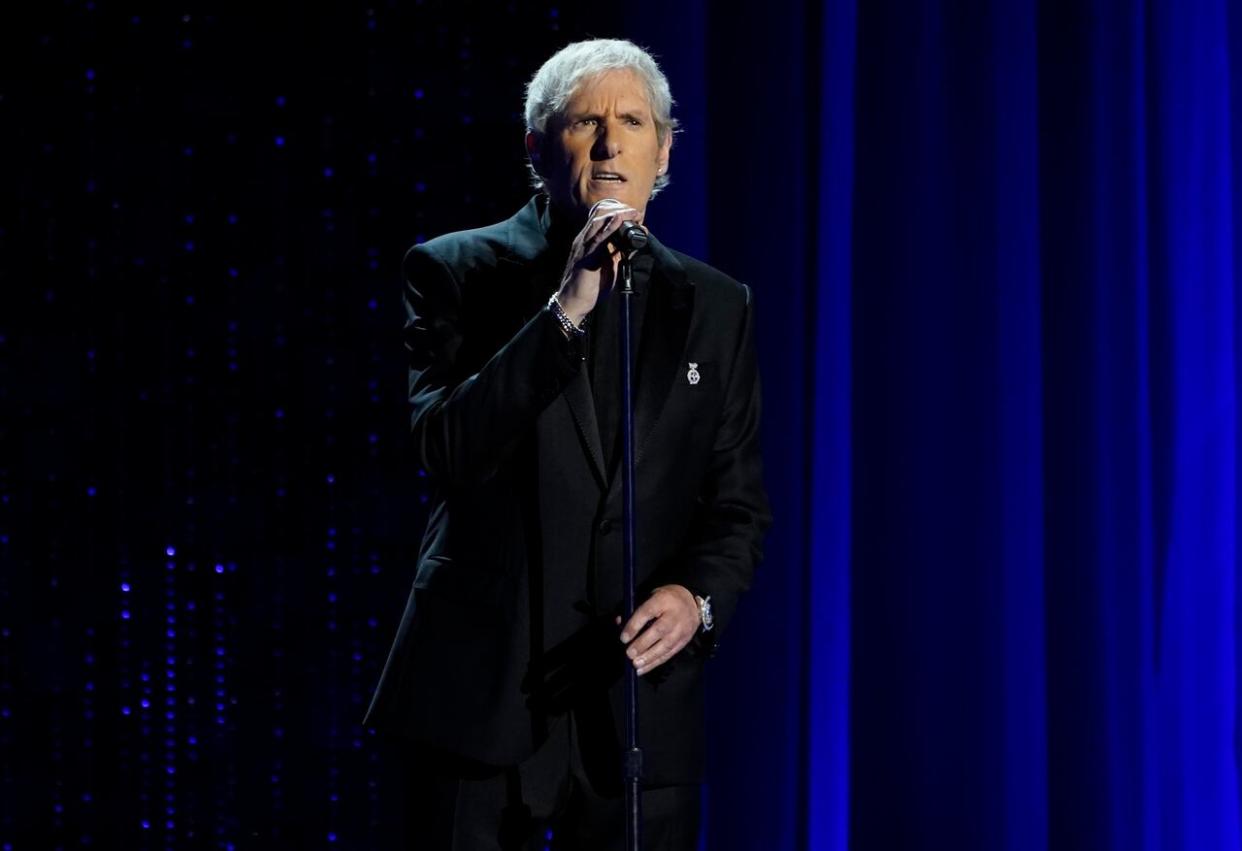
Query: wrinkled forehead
(620,89)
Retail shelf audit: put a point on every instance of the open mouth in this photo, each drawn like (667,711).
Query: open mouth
(607,177)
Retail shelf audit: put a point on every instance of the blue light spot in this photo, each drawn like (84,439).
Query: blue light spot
(280,141)
(232,218)
(125,587)
(232,272)
(331,479)
(90,491)
(280,413)
(90,73)
(124,614)
(280,100)
(170,551)
(418,94)
(327,172)
(145,704)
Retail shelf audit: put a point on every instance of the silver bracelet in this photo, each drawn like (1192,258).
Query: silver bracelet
(562,317)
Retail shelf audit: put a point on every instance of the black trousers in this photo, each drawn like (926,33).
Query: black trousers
(548,802)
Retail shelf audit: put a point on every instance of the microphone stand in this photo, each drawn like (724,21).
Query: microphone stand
(633,753)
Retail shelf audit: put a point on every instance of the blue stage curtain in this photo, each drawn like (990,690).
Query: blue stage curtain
(992,248)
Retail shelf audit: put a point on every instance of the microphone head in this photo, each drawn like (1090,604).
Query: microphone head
(629,237)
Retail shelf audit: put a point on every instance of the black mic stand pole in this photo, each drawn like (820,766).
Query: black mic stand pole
(633,753)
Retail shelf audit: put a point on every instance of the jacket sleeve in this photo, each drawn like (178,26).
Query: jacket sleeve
(732,514)
(463,424)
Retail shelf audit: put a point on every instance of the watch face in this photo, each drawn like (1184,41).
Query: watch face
(705,612)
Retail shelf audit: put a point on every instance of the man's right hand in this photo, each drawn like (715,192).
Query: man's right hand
(592,266)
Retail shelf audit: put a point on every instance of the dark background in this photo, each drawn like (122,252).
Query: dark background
(993,248)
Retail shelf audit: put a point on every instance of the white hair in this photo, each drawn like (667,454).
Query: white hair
(549,91)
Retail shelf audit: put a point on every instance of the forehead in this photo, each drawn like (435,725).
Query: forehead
(621,89)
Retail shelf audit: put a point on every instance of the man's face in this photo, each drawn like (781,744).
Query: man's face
(605,146)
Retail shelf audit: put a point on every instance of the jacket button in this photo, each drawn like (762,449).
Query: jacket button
(605,527)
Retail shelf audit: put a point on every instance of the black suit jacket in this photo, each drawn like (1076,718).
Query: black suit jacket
(510,619)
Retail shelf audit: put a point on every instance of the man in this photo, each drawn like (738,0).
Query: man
(506,673)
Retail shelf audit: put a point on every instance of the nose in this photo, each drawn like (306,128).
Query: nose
(607,142)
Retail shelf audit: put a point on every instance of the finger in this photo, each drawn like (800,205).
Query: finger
(655,606)
(669,647)
(658,656)
(642,616)
(655,654)
(608,226)
(625,214)
(605,206)
(647,639)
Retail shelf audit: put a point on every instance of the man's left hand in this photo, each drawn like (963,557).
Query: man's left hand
(663,626)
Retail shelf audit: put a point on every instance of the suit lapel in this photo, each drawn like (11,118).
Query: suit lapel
(661,327)
(581,404)
(665,324)
(528,250)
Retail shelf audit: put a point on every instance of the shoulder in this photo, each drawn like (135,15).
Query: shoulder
(464,251)
(712,286)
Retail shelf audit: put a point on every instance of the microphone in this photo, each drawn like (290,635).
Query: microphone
(629,237)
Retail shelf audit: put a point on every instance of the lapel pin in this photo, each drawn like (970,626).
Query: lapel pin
(692,374)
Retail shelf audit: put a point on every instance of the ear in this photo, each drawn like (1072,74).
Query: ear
(532,147)
(662,156)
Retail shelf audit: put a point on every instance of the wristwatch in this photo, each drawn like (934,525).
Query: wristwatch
(705,612)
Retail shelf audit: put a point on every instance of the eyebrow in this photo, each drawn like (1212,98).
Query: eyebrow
(579,116)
